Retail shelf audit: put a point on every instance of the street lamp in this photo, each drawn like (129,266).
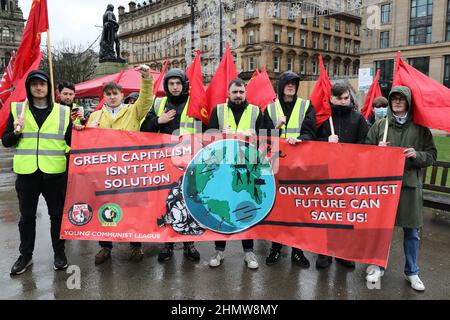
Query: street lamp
(192,4)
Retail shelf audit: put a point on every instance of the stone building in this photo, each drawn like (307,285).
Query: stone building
(11,30)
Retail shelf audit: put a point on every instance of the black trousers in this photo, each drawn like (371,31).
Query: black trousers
(109,244)
(247,245)
(277,247)
(29,187)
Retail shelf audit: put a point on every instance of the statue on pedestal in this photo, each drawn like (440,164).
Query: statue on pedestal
(110,38)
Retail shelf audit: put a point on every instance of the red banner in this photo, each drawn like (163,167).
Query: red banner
(321,197)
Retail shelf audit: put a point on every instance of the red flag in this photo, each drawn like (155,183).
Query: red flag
(260,90)
(19,94)
(217,91)
(29,48)
(320,97)
(6,83)
(430,99)
(158,86)
(374,92)
(197,95)
(255,74)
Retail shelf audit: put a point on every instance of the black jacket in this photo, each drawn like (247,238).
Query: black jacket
(237,110)
(349,125)
(151,124)
(308,129)
(9,139)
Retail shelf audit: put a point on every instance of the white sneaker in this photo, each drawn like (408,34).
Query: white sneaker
(216,259)
(374,273)
(251,261)
(416,283)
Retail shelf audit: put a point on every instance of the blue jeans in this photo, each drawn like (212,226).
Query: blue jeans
(411,242)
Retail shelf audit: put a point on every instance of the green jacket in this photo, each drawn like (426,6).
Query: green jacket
(409,135)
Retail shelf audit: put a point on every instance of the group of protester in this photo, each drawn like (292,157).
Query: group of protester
(40,130)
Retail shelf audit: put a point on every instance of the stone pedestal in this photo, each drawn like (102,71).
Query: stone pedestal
(106,68)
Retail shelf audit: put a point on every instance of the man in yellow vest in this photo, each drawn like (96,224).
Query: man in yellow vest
(66,98)
(236,116)
(169,116)
(295,119)
(40,130)
(117,115)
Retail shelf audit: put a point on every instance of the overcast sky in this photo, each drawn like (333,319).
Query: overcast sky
(75,20)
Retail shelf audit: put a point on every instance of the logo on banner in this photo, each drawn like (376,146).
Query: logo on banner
(80,214)
(229,186)
(110,214)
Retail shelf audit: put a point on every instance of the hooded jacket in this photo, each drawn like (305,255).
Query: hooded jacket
(133,95)
(349,125)
(177,103)
(308,130)
(9,139)
(408,135)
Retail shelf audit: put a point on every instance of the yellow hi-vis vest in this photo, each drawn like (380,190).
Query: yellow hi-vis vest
(188,125)
(298,115)
(42,148)
(247,121)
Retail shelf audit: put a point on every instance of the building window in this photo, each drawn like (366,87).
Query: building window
(315,41)
(233,39)
(277,35)
(303,66)
(276,63)
(304,20)
(290,38)
(338,26)
(233,17)
(347,69)
(422,64)
(315,67)
(277,11)
(337,45)
(386,70)
(347,47)
(251,63)
(447,72)
(448,22)
(336,68)
(347,28)
(316,22)
(384,39)
(303,39)
(6,33)
(386,13)
(326,43)
(251,37)
(290,64)
(420,28)
(357,48)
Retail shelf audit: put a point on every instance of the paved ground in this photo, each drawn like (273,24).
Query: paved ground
(180,279)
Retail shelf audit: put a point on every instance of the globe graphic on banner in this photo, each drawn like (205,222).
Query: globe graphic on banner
(229,186)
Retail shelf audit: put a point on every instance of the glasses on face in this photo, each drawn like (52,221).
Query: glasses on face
(398,99)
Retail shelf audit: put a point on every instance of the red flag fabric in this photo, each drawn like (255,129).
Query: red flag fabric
(159,84)
(217,91)
(197,95)
(374,92)
(254,75)
(321,95)
(29,48)
(430,99)
(6,83)
(260,90)
(19,94)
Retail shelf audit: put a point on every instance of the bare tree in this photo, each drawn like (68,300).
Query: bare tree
(71,62)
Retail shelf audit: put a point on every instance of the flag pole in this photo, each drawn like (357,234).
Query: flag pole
(50,63)
(386,126)
(332,126)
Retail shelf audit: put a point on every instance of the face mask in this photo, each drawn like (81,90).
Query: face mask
(380,112)
(401,120)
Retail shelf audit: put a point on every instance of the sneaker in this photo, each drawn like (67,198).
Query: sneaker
(299,258)
(191,253)
(323,262)
(165,253)
(416,283)
(216,259)
(251,261)
(136,254)
(374,273)
(103,255)
(273,257)
(21,265)
(60,262)
(346,263)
